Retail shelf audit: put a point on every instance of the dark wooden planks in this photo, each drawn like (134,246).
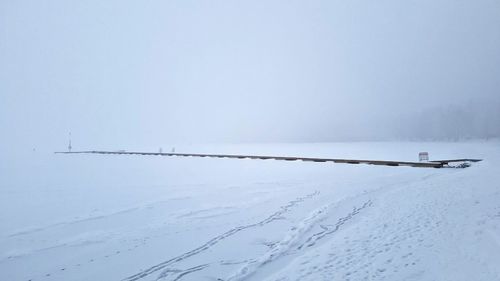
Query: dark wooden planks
(432,164)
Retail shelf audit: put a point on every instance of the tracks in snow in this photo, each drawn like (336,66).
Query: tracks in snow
(296,239)
(328,229)
(163,265)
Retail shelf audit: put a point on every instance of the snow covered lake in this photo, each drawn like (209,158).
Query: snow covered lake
(116,217)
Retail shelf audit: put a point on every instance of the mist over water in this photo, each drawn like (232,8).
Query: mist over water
(129,74)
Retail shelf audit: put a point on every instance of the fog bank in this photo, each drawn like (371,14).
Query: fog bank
(134,74)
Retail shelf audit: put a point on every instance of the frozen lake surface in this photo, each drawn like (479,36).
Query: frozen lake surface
(116,217)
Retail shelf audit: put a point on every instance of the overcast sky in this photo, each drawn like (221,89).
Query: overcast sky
(138,73)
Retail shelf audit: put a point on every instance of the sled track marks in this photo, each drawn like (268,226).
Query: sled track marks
(71,222)
(91,218)
(275,216)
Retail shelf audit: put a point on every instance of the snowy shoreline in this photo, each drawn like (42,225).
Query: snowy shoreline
(133,218)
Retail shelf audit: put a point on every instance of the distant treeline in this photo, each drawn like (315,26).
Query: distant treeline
(475,120)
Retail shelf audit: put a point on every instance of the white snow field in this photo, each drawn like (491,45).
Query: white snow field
(143,218)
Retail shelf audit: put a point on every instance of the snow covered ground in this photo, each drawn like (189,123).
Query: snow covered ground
(110,217)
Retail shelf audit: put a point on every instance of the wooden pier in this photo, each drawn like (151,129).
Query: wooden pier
(430,164)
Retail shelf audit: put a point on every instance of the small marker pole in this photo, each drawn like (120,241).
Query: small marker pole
(69,145)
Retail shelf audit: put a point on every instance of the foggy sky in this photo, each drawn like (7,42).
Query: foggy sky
(139,73)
